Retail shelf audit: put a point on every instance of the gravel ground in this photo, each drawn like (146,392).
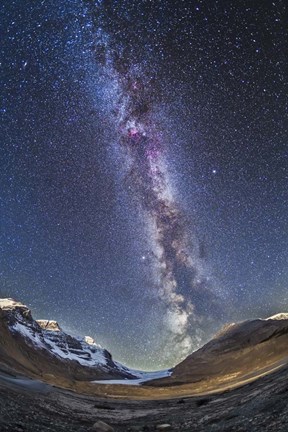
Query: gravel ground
(256,407)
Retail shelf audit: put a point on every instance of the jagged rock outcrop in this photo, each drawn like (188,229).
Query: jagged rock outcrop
(49,325)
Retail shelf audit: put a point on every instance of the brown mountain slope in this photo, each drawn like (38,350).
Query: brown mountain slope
(239,351)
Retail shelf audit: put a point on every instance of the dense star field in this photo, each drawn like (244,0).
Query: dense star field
(144,168)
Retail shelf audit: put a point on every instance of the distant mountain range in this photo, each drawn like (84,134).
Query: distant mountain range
(41,349)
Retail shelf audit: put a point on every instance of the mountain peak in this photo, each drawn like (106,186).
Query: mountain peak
(90,341)
(15,310)
(49,325)
(9,303)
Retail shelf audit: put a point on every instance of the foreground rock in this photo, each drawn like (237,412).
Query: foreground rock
(101,426)
(260,406)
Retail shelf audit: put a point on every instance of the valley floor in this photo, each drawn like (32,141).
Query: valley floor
(260,406)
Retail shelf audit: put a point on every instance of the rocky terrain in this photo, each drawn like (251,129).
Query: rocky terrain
(51,381)
(261,406)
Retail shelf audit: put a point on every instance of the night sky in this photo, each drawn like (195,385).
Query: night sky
(144,168)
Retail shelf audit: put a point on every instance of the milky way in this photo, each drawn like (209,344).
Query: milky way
(177,274)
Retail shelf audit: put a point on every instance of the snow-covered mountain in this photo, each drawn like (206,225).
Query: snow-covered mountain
(43,348)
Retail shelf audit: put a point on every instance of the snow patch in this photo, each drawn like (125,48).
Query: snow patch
(142,377)
(28,333)
(279,316)
(8,303)
(90,341)
(85,357)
